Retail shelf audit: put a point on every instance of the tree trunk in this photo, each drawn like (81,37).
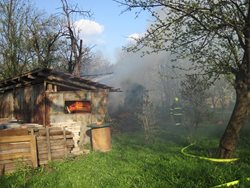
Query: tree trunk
(237,120)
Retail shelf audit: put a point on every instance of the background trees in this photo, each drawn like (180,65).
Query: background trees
(14,16)
(31,39)
(43,42)
(214,35)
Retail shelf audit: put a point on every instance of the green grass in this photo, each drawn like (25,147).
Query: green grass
(133,163)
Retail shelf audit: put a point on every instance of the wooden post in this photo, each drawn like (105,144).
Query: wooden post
(33,150)
(32,132)
(48,143)
(44,104)
(2,169)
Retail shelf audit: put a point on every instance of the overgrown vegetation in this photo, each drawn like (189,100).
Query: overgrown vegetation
(134,163)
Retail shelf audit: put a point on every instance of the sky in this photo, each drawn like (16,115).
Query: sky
(108,29)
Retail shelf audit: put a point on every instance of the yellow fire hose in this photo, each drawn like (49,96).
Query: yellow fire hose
(206,158)
(232,183)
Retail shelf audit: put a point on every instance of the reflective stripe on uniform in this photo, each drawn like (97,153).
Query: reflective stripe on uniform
(177,108)
(180,114)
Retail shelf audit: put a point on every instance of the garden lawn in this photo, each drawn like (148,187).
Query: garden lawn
(133,163)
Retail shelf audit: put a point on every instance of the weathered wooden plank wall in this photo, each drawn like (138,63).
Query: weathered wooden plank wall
(23,103)
(6,105)
(29,103)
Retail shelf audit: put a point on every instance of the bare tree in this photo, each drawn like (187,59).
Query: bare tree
(77,51)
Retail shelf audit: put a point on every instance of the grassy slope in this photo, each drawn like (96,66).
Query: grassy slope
(132,163)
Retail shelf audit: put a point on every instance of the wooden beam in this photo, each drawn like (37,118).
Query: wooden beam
(31,77)
(68,86)
(72,83)
(68,80)
(19,85)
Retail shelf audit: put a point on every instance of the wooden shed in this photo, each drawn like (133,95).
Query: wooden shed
(55,99)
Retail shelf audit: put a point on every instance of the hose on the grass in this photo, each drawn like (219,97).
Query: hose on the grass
(206,158)
(231,183)
(228,184)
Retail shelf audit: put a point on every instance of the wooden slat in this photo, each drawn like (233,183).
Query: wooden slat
(53,132)
(19,150)
(11,167)
(6,139)
(57,137)
(10,146)
(51,147)
(14,132)
(14,156)
(43,162)
(42,143)
(56,154)
(13,161)
(44,149)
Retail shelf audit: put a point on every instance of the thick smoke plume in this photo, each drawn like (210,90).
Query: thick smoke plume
(154,72)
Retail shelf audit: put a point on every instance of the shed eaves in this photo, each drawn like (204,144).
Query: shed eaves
(57,77)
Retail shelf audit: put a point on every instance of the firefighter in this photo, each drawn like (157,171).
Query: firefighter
(176,111)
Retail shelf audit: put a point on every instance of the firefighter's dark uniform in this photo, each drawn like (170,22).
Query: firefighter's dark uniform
(176,111)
